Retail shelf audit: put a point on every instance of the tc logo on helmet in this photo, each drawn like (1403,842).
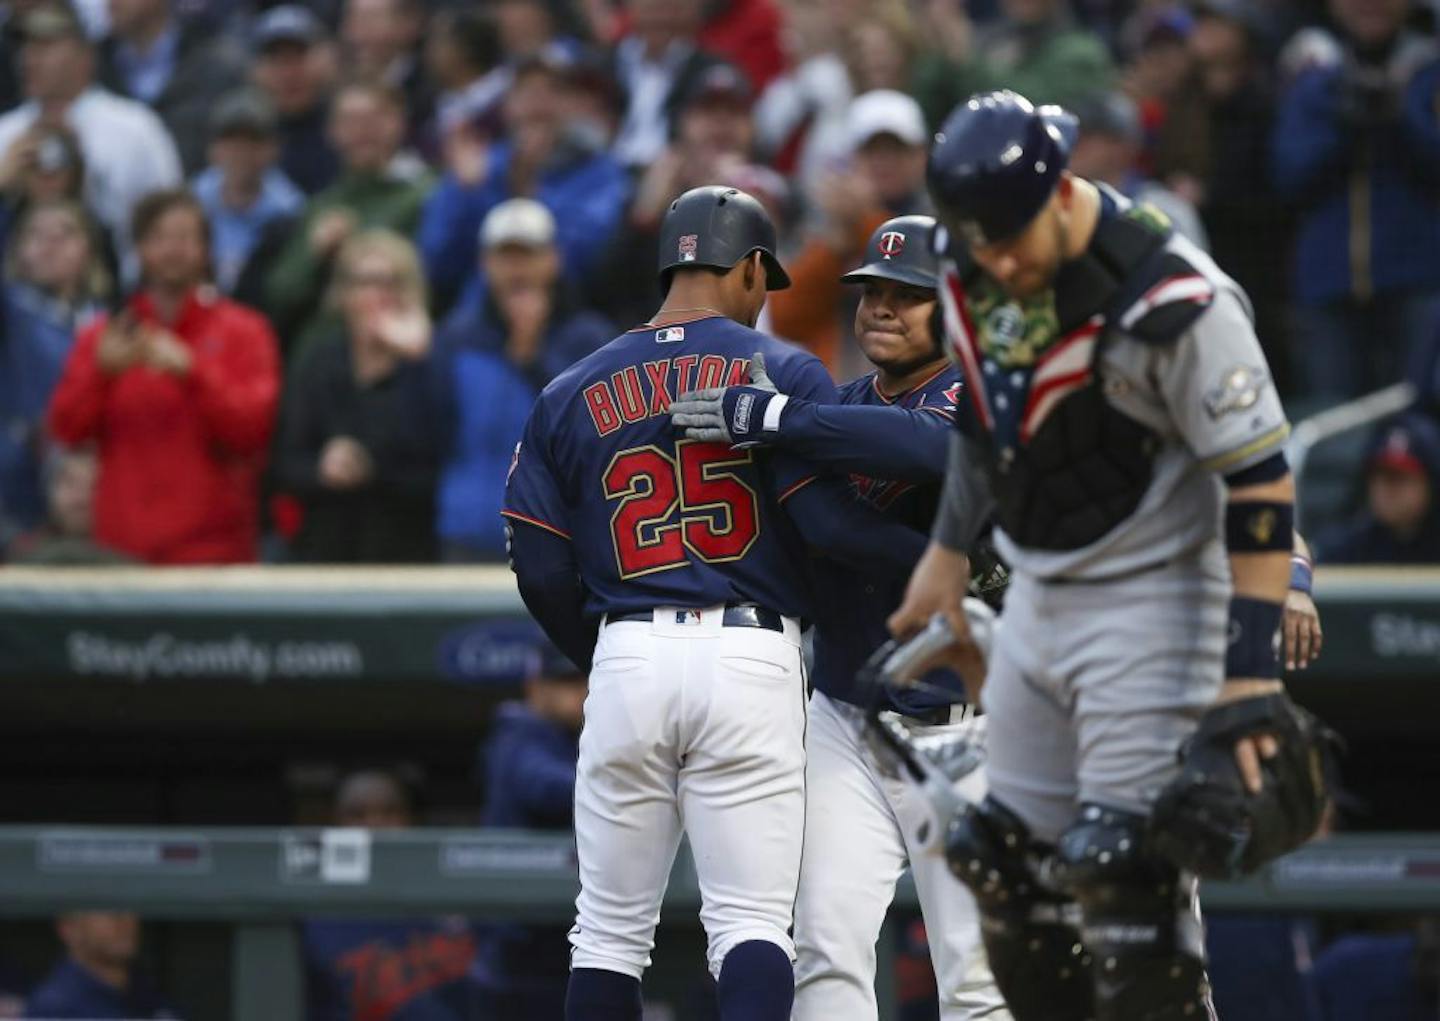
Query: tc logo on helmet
(892,243)
(689,245)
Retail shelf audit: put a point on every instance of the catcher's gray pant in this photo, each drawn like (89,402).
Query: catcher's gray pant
(860,829)
(1093,686)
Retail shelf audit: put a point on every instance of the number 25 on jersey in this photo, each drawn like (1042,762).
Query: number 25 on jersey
(667,505)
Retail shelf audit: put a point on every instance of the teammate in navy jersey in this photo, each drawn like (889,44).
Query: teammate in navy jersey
(676,571)
(889,434)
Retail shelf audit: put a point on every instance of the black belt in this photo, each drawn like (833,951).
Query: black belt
(736,615)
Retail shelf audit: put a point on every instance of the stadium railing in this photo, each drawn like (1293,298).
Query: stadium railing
(262,881)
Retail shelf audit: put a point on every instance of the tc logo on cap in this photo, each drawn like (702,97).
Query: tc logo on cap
(689,244)
(892,243)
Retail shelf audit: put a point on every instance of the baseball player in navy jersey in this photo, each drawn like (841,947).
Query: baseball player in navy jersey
(674,571)
(1120,425)
(890,431)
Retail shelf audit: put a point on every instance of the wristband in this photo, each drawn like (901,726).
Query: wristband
(1302,574)
(773,409)
(1254,639)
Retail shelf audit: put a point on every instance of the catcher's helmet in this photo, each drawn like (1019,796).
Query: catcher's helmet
(718,226)
(899,250)
(995,161)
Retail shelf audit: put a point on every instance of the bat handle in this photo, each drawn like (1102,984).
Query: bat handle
(904,663)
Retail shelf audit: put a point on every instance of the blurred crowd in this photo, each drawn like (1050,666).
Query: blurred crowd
(282,281)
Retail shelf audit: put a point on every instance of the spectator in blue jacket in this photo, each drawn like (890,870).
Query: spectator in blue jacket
(1356,147)
(394,969)
(55,281)
(1401,521)
(491,361)
(96,979)
(529,767)
(548,155)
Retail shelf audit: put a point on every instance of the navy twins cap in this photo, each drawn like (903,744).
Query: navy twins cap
(899,250)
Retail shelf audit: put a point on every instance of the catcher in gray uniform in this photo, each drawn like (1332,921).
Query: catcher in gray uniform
(1122,430)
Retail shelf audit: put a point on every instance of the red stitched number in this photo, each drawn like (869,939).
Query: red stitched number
(719,515)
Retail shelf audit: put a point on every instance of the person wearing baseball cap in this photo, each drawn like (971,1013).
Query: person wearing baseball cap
(542,155)
(884,140)
(887,139)
(493,355)
(242,189)
(291,24)
(1401,522)
(722,96)
(711,135)
(518,223)
(294,67)
(1120,430)
(1108,149)
(889,432)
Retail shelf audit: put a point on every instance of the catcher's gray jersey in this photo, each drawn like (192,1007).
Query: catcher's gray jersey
(1207,397)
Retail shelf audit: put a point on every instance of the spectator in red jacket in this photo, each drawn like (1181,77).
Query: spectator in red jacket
(178,391)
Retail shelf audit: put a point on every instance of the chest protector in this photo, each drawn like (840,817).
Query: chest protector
(1065,465)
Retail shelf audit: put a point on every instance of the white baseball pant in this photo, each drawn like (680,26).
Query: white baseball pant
(860,828)
(693,726)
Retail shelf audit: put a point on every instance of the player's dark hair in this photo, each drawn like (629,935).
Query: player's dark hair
(668,276)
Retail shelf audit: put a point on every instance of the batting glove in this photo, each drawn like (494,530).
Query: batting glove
(742,416)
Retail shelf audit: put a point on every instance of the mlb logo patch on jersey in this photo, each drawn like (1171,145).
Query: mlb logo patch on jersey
(670,335)
(689,244)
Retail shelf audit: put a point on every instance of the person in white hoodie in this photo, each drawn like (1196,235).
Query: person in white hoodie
(128,151)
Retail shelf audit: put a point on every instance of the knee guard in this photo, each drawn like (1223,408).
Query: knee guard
(1028,927)
(1140,920)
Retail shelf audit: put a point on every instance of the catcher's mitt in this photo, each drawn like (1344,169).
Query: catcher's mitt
(1207,822)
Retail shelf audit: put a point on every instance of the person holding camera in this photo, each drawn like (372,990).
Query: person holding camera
(1356,147)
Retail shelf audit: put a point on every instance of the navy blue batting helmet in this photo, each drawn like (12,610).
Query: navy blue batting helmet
(718,226)
(995,162)
(899,250)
